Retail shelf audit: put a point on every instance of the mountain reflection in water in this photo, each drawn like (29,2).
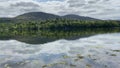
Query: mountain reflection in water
(67,49)
(41,37)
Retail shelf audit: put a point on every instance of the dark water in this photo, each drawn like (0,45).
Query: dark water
(85,48)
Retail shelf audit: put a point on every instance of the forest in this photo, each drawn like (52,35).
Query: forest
(58,24)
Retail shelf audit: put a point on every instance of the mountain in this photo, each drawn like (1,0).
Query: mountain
(37,16)
(72,16)
(6,20)
(45,16)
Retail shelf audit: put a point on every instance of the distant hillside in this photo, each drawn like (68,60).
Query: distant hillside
(6,20)
(45,16)
(12,20)
(37,16)
(72,16)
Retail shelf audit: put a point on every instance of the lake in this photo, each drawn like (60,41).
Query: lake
(85,48)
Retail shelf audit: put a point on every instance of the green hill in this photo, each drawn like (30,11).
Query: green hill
(46,16)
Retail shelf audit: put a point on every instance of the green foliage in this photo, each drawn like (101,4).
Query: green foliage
(58,24)
(30,30)
(43,36)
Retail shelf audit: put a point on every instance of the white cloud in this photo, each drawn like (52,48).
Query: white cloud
(103,9)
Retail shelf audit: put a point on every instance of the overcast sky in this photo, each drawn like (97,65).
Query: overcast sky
(102,9)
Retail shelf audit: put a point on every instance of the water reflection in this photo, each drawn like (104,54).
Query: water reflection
(41,37)
(98,51)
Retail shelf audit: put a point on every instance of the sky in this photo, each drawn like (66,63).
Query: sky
(101,9)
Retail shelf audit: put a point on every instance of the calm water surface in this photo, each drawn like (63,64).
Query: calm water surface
(101,50)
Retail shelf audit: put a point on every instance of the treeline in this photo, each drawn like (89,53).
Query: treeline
(58,24)
(56,33)
(43,36)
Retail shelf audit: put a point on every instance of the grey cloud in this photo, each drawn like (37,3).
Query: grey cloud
(93,1)
(3,0)
(67,12)
(24,4)
(76,3)
(17,8)
(91,11)
(101,9)
(108,9)
(93,8)
(29,9)
(106,0)
(72,1)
